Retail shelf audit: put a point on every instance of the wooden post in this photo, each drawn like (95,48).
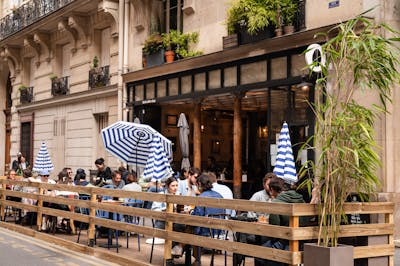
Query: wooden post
(3,198)
(294,244)
(39,209)
(237,148)
(92,215)
(197,136)
(389,220)
(168,242)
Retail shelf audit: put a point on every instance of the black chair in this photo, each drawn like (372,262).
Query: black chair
(216,233)
(133,219)
(84,211)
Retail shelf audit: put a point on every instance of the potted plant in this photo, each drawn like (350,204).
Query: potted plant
(359,60)
(179,43)
(153,49)
(288,9)
(169,41)
(25,94)
(253,20)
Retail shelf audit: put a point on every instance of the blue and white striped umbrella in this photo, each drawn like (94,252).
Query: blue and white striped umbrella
(157,166)
(132,142)
(43,160)
(285,167)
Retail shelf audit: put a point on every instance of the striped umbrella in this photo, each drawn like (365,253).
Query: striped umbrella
(43,160)
(157,166)
(132,142)
(285,167)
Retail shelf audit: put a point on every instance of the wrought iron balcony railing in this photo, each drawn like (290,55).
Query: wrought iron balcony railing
(28,14)
(59,86)
(99,77)
(26,95)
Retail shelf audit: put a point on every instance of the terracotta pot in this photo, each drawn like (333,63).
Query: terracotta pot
(169,56)
(278,32)
(288,29)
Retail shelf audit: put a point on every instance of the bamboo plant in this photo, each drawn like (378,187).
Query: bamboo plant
(359,59)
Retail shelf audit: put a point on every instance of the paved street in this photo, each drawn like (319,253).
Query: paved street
(21,250)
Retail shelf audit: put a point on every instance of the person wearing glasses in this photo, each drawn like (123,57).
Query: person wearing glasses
(187,187)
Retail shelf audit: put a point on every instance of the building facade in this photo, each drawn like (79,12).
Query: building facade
(82,66)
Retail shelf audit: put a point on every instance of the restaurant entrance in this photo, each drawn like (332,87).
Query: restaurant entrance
(262,113)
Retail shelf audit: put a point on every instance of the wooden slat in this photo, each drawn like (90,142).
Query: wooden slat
(237,247)
(19,205)
(373,251)
(19,194)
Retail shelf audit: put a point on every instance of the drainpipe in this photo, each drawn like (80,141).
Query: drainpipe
(120,58)
(125,36)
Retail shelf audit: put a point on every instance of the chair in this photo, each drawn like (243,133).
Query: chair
(84,211)
(133,219)
(216,233)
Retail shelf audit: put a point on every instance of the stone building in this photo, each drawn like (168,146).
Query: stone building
(249,89)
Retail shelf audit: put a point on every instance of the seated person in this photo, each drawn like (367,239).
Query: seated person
(80,177)
(262,195)
(116,181)
(131,183)
(288,195)
(205,186)
(171,187)
(224,190)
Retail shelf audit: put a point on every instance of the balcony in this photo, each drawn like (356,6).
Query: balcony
(28,14)
(26,95)
(99,77)
(59,86)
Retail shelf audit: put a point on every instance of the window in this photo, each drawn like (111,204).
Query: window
(26,136)
(172,14)
(101,121)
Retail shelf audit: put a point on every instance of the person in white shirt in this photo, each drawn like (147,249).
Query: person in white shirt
(132,185)
(262,195)
(224,190)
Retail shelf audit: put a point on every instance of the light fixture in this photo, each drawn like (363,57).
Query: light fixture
(304,85)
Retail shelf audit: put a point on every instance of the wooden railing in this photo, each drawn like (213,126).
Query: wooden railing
(381,223)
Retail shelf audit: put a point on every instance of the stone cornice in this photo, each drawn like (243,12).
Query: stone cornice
(69,99)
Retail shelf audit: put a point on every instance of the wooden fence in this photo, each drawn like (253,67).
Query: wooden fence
(381,222)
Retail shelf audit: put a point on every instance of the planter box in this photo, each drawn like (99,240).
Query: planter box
(230,41)
(245,37)
(315,255)
(155,59)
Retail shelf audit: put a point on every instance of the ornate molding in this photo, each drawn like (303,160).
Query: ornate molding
(43,40)
(111,8)
(73,36)
(80,24)
(30,44)
(13,56)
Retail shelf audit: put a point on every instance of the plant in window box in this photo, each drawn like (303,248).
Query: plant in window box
(97,75)
(25,94)
(153,49)
(358,60)
(288,12)
(253,20)
(180,43)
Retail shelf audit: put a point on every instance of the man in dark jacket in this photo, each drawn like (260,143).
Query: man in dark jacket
(288,196)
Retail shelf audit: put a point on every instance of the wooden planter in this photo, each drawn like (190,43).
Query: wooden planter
(315,255)
(230,41)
